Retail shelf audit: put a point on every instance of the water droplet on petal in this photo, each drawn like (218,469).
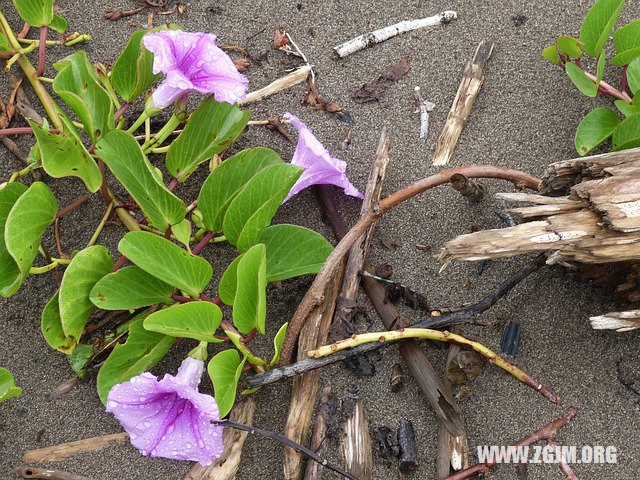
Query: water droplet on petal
(133,436)
(113,404)
(188,445)
(164,437)
(174,452)
(142,399)
(146,424)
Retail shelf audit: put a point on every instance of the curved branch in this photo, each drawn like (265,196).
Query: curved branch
(315,294)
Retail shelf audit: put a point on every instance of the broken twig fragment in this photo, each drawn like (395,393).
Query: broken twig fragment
(397,378)
(46,474)
(378,36)
(462,104)
(618,321)
(423,107)
(468,188)
(294,78)
(408,462)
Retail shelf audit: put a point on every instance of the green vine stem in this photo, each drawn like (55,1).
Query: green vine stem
(96,234)
(438,336)
(32,75)
(47,268)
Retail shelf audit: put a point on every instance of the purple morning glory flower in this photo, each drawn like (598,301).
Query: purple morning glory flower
(169,418)
(319,166)
(192,61)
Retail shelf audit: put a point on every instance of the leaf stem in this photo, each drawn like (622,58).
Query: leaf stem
(164,132)
(96,234)
(198,248)
(49,267)
(42,50)
(437,336)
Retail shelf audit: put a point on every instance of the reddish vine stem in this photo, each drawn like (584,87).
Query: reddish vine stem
(75,204)
(548,432)
(173,184)
(120,111)
(42,50)
(25,30)
(21,131)
(203,242)
(315,294)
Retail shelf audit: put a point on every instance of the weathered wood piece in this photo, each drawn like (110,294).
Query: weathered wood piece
(327,415)
(408,461)
(618,321)
(355,440)
(226,466)
(63,451)
(472,79)
(297,76)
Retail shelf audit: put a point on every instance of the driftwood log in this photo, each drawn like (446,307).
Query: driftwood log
(587,211)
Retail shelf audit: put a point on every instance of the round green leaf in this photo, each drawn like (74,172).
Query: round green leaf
(229,282)
(8,387)
(253,208)
(141,351)
(551,53)
(580,80)
(37,13)
(627,109)
(132,73)
(129,288)
(225,370)
(167,261)
(10,278)
(250,303)
(278,341)
(598,24)
(84,271)
(570,46)
(251,358)
(627,42)
(633,77)
(210,129)
(29,217)
(227,180)
(129,164)
(293,251)
(627,135)
(197,320)
(52,327)
(595,128)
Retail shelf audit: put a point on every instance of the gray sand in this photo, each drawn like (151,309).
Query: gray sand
(525,118)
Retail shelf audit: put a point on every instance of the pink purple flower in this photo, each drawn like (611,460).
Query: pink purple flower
(320,168)
(192,62)
(169,418)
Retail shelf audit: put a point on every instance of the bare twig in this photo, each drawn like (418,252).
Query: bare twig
(462,104)
(316,293)
(471,189)
(423,107)
(378,36)
(549,431)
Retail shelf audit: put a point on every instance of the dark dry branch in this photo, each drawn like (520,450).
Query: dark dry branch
(284,441)
(548,432)
(463,316)
(396,382)
(327,416)
(443,405)
(316,293)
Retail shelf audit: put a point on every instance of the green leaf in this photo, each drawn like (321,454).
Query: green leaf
(30,216)
(250,303)
(229,281)
(37,13)
(8,387)
(125,159)
(627,109)
(570,46)
(293,251)
(253,208)
(197,320)
(4,43)
(84,271)
(211,129)
(167,261)
(59,24)
(595,128)
(129,288)
(225,370)
(132,73)
(227,180)
(251,358)
(182,232)
(600,69)
(10,278)
(598,24)
(633,76)
(79,359)
(551,53)
(52,327)
(64,156)
(580,80)
(627,42)
(77,84)
(627,135)
(141,351)
(278,341)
